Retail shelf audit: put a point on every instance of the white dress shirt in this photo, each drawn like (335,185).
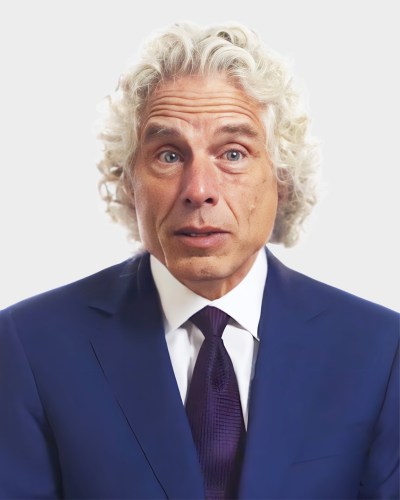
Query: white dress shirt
(243,304)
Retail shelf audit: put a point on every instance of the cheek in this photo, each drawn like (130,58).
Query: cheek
(153,203)
(263,204)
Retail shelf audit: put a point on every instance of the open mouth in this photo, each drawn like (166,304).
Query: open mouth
(198,232)
(197,235)
(205,237)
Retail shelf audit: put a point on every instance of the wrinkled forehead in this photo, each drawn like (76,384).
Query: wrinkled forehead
(196,99)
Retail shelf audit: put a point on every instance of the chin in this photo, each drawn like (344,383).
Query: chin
(197,268)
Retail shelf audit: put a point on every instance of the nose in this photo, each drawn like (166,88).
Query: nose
(200,184)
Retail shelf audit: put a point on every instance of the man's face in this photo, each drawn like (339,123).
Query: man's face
(204,190)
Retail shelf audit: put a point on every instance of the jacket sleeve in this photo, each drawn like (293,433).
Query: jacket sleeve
(28,455)
(380,478)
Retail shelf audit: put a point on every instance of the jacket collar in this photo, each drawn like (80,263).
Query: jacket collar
(131,349)
(281,391)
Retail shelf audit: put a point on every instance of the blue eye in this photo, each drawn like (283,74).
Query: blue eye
(233,155)
(169,157)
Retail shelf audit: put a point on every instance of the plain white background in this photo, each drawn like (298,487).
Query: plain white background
(59,59)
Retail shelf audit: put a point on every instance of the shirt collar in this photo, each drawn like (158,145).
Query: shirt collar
(243,303)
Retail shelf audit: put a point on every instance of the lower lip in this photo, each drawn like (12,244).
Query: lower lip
(203,241)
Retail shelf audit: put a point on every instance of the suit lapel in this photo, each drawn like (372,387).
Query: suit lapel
(132,351)
(130,346)
(282,388)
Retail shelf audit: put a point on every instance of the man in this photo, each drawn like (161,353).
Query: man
(119,385)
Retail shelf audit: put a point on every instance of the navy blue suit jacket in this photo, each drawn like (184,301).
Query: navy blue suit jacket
(89,406)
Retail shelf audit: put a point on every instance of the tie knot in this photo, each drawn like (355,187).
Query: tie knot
(211,321)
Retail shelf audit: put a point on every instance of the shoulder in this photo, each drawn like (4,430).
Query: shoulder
(68,303)
(71,292)
(338,307)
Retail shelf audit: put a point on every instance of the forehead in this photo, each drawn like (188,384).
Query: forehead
(201,101)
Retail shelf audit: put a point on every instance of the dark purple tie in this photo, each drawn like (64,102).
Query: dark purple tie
(213,409)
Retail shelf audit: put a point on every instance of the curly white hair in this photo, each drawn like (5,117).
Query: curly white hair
(233,50)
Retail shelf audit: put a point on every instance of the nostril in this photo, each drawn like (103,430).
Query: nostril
(190,201)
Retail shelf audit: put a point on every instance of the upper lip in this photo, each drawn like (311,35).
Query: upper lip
(199,230)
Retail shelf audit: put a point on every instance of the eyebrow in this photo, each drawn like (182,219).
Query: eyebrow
(239,129)
(156,131)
